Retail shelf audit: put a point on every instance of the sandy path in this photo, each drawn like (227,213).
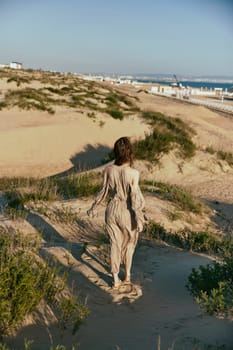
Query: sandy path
(157,304)
(165,308)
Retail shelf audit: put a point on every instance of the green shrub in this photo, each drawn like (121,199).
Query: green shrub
(64,215)
(3,104)
(115,113)
(153,145)
(227,156)
(16,214)
(212,286)
(29,98)
(210,150)
(48,189)
(196,241)
(113,98)
(25,280)
(167,134)
(77,186)
(28,343)
(16,182)
(178,195)
(18,80)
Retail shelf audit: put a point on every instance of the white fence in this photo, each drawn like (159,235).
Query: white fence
(218,105)
(211,104)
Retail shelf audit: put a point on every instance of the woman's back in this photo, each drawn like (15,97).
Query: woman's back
(120,180)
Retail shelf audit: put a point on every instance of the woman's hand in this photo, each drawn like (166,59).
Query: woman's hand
(139,225)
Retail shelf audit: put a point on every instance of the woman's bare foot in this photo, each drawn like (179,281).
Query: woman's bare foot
(116,285)
(117,282)
(127,280)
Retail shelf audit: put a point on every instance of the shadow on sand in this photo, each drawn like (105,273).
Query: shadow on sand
(45,331)
(91,157)
(165,309)
(223,216)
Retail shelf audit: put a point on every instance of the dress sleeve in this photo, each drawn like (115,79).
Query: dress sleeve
(138,202)
(101,195)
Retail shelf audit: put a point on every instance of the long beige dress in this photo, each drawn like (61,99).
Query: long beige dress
(124,217)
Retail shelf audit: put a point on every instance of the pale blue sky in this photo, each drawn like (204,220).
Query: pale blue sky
(119,36)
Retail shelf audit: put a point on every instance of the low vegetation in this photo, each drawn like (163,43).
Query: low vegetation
(204,242)
(167,134)
(115,113)
(26,280)
(19,80)
(227,156)
(223,155)
(29,98)
(212,286)
(28,343)
(70,91)
(64,214)
(178,195)
(24,190)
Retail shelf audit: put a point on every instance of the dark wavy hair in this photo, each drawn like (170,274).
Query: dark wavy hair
(123,151)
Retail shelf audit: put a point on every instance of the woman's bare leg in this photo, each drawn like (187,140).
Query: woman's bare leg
(129,257)
(115,256)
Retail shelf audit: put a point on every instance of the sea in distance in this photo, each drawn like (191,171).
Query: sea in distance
(194,84)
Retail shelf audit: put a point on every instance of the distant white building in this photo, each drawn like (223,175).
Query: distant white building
(16,65)
(4,65)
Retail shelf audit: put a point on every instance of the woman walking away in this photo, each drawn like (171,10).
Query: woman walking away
(123,216)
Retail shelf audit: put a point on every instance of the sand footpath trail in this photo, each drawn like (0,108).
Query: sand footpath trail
(157,304)
(133,319)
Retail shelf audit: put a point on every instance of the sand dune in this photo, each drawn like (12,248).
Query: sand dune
(157,305)
(53,145)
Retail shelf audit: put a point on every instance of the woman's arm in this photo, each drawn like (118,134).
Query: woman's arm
(101,195)
(138,202)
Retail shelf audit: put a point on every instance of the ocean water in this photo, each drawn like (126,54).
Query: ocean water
(195,84)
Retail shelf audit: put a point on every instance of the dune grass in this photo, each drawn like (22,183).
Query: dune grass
(212,285)
(183,198)
(190,240)
(115,113)
(227,156)
(19,80)
(23,190)
(29,98)
(167,134)
(64,90)
(223,155)
(28,344)
(26,280)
